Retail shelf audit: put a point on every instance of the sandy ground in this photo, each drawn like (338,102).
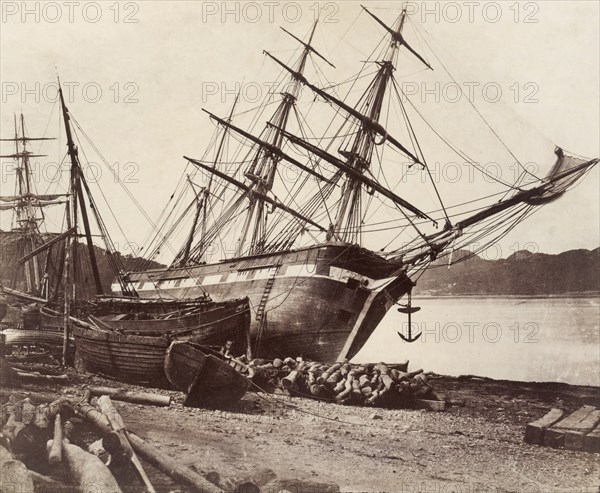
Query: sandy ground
(272,438)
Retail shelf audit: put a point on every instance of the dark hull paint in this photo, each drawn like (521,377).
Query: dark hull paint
(324,303)
(36,328)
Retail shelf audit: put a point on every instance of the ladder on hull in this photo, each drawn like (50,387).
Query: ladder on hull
(261,313)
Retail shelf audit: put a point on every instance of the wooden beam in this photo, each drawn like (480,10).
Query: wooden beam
(47,245)
(591,442)
(534,432)
(555,435)
(574,437)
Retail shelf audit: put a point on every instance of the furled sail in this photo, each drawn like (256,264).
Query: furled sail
(558,184)
(14,201)
(44,197)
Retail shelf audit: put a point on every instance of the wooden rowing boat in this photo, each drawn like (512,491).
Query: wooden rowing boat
(134,350)
(207,377)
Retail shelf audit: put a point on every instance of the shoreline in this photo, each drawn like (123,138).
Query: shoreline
(320,446)
(586,294)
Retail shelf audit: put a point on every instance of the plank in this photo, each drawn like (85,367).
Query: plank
(555,435)
(574,437)
(534,431)
(591,442)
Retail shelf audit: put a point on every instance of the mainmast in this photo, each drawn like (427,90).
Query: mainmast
(263,168)
(202,198)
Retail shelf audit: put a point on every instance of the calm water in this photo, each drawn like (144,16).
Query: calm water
(529,339)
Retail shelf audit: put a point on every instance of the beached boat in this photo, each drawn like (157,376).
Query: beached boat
(213,322)
(323,256)
(208,377)
(29,324)
(136,353)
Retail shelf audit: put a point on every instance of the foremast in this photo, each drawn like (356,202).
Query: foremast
(368,133)
(359,153)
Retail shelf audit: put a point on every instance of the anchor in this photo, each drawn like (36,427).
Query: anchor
(409,309)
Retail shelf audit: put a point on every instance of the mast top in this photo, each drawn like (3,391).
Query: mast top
(308,45)
(397,36)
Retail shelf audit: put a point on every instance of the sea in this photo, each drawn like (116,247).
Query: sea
(551,339)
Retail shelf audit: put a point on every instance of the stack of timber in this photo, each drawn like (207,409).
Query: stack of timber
(578,431)
(82,446)
(380,384)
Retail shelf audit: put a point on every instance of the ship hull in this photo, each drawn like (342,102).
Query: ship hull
(320,303)
(135,352)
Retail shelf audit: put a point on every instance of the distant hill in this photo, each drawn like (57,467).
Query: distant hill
(523,273)
(12,273)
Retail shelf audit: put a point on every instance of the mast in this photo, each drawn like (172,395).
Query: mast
(200,198)
(261,172)
(263,168)
(76,177)
(347,224)
(203,197)
(67,291)
(25,203)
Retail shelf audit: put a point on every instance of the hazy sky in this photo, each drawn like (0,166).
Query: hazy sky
(139,74)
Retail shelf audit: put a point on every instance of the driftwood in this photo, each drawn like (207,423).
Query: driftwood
(132,397)
(91,414)
(87,470)
(35,397)
(27,439)
(55,452)
(14,476)
(34,376)
(118,426)
(171,467)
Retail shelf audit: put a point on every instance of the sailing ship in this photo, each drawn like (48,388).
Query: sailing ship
(29,275)
(316,289)
(110,332)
